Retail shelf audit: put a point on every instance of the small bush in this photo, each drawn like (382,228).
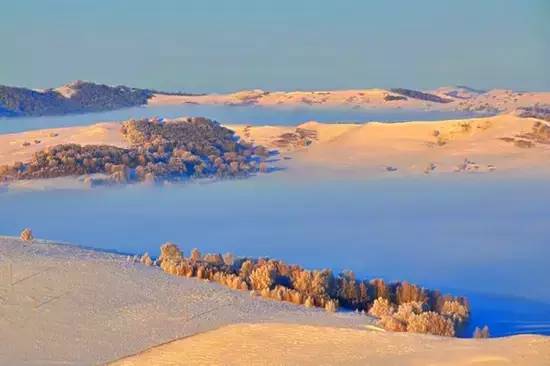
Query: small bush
(246,270)
(482,333)
(331,306)
(381,307)
(262,278)
(26,235)
(146,259)
(213,258)
(455,310)
(228,259)
(393,323)
(195,255)
(170,257)
(432,323)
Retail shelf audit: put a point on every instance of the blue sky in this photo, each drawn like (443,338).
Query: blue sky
(225,45)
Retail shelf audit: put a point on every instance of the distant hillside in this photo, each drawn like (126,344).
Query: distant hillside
(420,95)
(77,97)
(458,92)
(6,113)
(536,111)
(81,96)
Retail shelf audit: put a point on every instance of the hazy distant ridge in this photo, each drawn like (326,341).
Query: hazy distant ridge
(82,96)
(76,97)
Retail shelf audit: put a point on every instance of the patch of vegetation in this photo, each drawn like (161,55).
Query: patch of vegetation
(390,98)
(507,139)
(26,102)
(539,134)
(415,94)
(26,235)
(85,97)
(524,144)
(442,140)
(400,306)
(6,112)
(301,137)
(430,168)
(195,147)
(537,111)
(465,127)
(481,333)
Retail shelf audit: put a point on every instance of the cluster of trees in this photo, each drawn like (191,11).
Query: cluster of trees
(26,102)
(301,137)
(415,94)
(537,111)
(390,98)
(540,133)
(195,147)
(85,97)
(400,306)
(418,316)
(66,160)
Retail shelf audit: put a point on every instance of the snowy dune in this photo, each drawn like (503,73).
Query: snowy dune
(442,99)
(504,143)
(294,344)
(62,304)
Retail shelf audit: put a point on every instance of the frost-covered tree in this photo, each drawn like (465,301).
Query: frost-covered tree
(381,307)
(262,277)
(195,255)
(432,323)
(482,333)
(146,259)
(26,235)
